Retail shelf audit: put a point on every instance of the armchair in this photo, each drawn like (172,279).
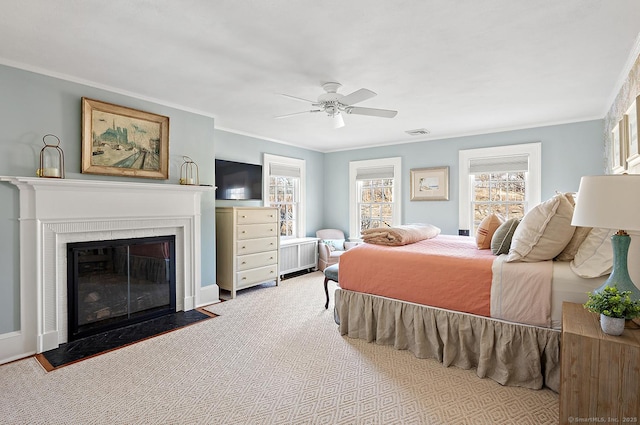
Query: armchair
(331,246)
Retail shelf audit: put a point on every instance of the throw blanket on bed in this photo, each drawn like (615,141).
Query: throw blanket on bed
(445,271)
(400,235)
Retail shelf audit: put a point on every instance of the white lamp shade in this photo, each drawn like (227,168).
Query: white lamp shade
(609,202)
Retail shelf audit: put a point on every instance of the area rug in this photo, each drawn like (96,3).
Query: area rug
(104,342)
(273,356)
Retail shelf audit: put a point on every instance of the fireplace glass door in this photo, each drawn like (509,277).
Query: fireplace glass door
(116,283)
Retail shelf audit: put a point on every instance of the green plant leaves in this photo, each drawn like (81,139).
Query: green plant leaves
(613,303)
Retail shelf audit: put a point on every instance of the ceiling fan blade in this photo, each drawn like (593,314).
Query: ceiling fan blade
(338,121)
(297,113)
(385,113)
(299,99)
(357,96)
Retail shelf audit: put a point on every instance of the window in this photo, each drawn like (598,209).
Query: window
(374,194)
(500,193)
(503,180)
(284,182)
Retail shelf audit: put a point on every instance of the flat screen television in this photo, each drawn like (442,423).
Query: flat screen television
(238,180)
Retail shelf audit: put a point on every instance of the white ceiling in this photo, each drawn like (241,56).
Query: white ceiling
(455,67)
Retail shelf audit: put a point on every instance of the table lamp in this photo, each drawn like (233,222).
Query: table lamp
(612,202)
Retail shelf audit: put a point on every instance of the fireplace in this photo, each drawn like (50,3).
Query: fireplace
(115,283)
(57,212)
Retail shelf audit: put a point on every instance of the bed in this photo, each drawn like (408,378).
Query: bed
(444,298)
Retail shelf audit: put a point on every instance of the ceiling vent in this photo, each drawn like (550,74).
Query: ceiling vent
(418,132)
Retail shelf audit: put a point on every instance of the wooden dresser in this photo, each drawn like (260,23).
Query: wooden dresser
(247,247)
(600,373)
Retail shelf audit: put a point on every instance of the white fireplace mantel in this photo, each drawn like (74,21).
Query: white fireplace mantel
(54,212)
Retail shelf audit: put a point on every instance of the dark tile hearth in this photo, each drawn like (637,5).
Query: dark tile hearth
(97,344)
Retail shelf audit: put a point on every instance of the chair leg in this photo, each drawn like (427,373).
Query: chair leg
(326,292)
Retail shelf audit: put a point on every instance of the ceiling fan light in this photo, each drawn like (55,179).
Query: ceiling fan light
(333,104)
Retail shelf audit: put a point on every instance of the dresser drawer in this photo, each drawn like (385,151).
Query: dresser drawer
(263,274)
(256,245)
(253,231)
(256,216)
(253,261)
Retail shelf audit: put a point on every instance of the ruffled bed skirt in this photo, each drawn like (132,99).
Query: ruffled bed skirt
(509,353)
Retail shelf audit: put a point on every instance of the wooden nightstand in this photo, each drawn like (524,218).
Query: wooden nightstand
(600,373)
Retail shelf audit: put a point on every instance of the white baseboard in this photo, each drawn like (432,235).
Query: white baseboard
(13,347)
(209,294)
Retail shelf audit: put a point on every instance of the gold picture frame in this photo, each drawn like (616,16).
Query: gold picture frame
(430,184)
(121,141)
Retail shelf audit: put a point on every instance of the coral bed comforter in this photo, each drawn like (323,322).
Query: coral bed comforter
(450,272)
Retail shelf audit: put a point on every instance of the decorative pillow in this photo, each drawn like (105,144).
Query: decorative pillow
(501,240)
(486,229)
(334,244)
(543,232)
(569,251)
(571,197)
(579,235)
(595,255)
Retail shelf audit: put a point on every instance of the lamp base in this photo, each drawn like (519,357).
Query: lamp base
(620,274)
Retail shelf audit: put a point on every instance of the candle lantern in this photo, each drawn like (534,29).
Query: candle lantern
(189,172)
(51,158)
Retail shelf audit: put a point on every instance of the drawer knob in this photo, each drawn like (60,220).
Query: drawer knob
(244,216)
(244,262)
(244,247)
(271,272)
(244,278)
(244,231)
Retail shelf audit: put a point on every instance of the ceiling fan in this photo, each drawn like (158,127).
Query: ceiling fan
(334,104)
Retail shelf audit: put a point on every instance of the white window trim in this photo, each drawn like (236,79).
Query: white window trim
(268,159)
(534,177)
(396,162)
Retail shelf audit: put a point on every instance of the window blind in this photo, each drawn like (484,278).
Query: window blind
(282,170)
(499,164)
(382,172)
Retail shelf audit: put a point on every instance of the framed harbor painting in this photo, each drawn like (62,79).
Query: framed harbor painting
(430,184)
(120,141)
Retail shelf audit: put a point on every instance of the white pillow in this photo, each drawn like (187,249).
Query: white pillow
(543,232)
(595,255)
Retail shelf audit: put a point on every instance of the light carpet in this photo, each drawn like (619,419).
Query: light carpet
(274,356)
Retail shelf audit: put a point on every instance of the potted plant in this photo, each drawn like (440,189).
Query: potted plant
(614,308)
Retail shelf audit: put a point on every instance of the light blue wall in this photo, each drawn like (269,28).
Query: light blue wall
(569,151)
(32,105)
(235,147)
